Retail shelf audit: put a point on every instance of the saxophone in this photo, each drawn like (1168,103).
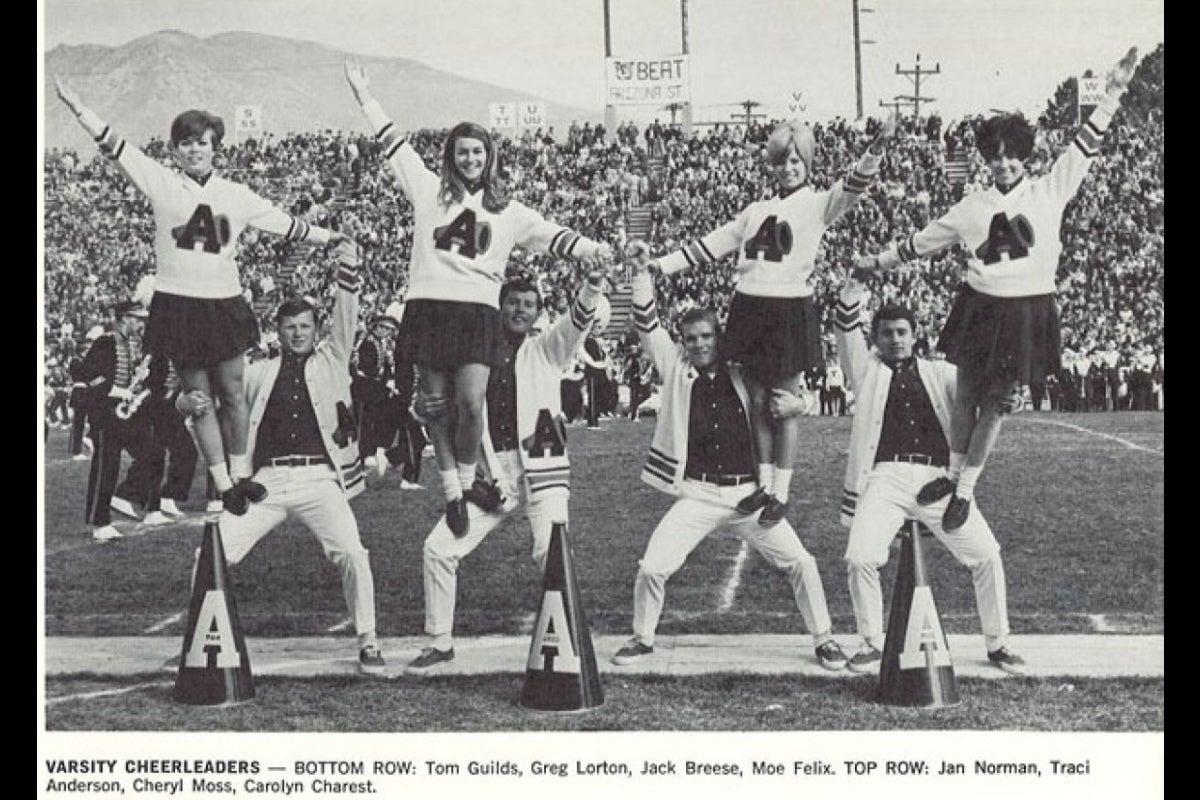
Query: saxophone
(138,391)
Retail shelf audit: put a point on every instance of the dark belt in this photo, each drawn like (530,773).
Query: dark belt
(719,480)
(297,461)
(911,458)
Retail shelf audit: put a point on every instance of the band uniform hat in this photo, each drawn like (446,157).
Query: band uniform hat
(130,308)
(385,319)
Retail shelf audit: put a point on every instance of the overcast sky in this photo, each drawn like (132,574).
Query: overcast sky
(1007,54)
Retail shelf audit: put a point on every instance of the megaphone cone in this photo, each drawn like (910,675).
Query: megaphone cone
(214,667)
(916,669)
(561,673)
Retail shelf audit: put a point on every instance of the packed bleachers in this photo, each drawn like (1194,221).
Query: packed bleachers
(98,227)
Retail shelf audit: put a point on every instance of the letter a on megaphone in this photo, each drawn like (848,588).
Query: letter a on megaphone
(560,672)
(214,667)
(916,669)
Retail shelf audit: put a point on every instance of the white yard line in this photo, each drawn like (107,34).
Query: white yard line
(283,666)
(163,624)
(51,701)
(729,590)
(1090,432)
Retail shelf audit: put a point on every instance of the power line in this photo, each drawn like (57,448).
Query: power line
(914,74)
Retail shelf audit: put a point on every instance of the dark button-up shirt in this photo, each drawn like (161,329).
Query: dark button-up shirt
(502,400)
(910,426)
(289,425)
(719,439)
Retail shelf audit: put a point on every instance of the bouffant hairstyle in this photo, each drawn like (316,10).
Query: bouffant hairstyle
(787,135)
(192,124)
(1010,132)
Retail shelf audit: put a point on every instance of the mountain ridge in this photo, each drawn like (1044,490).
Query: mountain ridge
(140,86)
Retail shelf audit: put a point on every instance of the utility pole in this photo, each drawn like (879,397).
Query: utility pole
(897,101)
(858,43)
(687,107)
(749,106)
(674,108)
(914,75)
(610,111)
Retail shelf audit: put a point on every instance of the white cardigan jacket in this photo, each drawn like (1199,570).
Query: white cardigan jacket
(871,379)
(327,374)
(539,365)
(668,449)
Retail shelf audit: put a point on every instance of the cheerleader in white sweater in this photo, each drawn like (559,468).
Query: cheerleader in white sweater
(1003,330)
(199,318)
(774,326)
(464,228)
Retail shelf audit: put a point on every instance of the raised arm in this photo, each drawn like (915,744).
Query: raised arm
(939,235)
(845,193)
(561,342)
(848,324)
(656,342)
(1072,165)
(535,232)
(345,304)
(265,215)
(706,250)
(410,171)
(145,173)
(86,117)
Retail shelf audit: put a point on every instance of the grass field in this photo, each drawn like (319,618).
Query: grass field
(1075,500)
(708,703)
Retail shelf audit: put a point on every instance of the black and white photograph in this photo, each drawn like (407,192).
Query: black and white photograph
(595,397)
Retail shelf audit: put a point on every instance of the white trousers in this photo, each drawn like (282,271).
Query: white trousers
(311,496)
(889,499)
(702,509)
(443,550)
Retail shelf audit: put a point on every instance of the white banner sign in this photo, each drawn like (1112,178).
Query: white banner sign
(502,115)
(531,115)
(647,81)
(796,104)
(1091,91)
(247,122)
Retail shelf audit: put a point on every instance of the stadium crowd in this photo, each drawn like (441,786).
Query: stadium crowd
(98,228)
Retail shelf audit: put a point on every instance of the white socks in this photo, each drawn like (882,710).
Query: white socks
(782,484)
(766,476)
(451,487)
(239,466)
(966,482)
(466,475)
(220,478)
(956,465)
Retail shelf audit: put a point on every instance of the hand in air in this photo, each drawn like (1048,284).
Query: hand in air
(863,267)
(1122,73)
(68,95)
(888,130)
(854,286)
(637,253)
(356,76)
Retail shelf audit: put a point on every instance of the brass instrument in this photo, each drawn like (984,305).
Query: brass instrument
(138,391)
